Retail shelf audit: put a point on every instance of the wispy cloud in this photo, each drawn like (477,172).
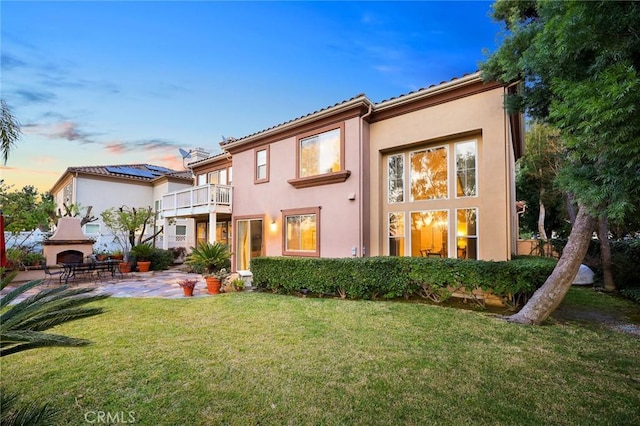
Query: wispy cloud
(66,130)
(117,147)
(170,161)
(9,62)
(34,95)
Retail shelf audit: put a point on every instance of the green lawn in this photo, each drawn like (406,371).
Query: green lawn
(251,358)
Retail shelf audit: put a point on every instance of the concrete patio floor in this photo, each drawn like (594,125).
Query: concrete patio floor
(161,284)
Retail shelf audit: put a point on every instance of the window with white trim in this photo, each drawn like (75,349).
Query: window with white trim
(429,174)
(262,165)
(396,234)
(92,228)
(466,166)
(467,233)
(395,173)
(430,233)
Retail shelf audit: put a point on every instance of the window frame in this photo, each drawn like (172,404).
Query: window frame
(446,148)
(403,237)
(219,172)
(236,234)
(86,231)
(402,178)
(475,236)
(446,241)
(256,151)
(323,178)
(305,211)
(455,168)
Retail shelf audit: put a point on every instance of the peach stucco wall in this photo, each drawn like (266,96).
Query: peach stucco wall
(481,117)
(341,225)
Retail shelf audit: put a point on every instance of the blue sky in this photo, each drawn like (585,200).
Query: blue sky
(101,82)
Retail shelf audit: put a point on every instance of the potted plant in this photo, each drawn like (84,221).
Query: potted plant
(213,258)
(187,286)
(116,255)
(143,253)
(234,285)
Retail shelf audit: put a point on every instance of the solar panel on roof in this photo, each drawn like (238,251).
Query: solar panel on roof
(159,169)
(129,171)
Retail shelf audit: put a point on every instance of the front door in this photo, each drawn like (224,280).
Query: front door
(249,240)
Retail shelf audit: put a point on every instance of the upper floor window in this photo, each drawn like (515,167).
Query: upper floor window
(230,177)
(466,165)
(396,178)
(68,193)
(301,232)
(202,179)
(320,153)
(262,165)
(429,174)
(218,177)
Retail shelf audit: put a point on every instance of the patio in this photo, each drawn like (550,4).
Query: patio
(161,284)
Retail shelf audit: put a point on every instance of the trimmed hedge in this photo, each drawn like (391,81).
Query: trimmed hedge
(392,277)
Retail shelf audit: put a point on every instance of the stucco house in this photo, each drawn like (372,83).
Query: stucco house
(429,173)
(131,185)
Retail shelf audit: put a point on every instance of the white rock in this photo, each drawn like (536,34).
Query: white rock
(584,276)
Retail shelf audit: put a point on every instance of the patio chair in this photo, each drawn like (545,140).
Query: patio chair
(49,274)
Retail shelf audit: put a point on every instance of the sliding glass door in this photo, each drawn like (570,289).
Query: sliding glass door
(249,239)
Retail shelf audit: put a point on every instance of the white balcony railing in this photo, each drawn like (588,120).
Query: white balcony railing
(197,200)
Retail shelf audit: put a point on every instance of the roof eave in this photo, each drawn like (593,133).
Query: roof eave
(359,100)
(443,87)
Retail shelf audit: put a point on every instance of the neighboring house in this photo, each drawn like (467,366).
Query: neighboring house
(429,173)
(130,185)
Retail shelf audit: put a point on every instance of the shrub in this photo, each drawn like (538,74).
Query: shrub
(392,277)
(631,294)
(161,259)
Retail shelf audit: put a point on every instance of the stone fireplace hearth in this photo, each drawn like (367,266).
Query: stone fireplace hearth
(68,243)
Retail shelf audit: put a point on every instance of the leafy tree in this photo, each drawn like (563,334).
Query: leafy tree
(129,224)
(579,63)
(535,181)
(27,209)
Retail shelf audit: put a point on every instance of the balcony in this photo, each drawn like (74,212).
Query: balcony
(198,200)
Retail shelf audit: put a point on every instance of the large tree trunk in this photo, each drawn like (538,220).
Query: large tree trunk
(605,255)
(571,209)
(541,215)
(548,297)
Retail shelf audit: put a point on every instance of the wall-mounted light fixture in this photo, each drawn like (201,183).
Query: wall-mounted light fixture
(273,226)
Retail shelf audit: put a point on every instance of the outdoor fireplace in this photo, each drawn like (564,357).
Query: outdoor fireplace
(68,243)
(70,256)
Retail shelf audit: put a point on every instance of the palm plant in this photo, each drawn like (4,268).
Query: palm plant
(21,329)
(22,324)
(210,256)
(143,251)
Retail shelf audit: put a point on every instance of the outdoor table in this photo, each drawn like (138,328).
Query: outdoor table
(73,269)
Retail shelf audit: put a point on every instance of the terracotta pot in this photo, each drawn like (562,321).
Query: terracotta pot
(143,266)
(213,285)
(125,267)
(101,257)
(117,256)
(188,291)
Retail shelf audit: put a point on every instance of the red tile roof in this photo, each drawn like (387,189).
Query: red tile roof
(146,169)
